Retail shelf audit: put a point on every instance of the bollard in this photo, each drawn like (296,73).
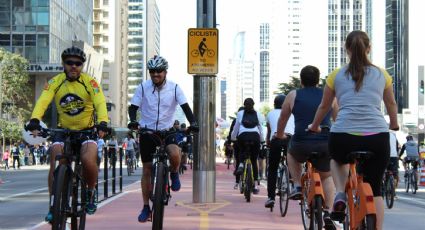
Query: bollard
(105,175)
(113,153)
(120,155)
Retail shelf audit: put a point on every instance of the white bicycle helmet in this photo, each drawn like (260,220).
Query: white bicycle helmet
(157,62)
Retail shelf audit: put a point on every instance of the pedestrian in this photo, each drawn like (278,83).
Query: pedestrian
(359,87)
(5,159)
(112,150)
(100,145)
(15,156)
(26,155)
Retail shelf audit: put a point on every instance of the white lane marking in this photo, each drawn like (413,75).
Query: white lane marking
(22,194)
(411,199)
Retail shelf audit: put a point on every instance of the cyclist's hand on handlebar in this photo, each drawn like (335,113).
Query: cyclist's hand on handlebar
(33,126)
(133,125)
(102,129)
(193,127)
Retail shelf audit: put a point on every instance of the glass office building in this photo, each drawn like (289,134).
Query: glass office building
(40,29)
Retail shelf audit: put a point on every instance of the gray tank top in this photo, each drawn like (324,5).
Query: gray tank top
(359,112)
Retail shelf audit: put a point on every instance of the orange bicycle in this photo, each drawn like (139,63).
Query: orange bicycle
(312,202)
(361,211)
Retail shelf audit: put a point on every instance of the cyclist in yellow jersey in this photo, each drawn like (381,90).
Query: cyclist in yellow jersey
(77,96)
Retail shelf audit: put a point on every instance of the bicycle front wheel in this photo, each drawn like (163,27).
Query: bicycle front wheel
(389,192)
(78,219)
(61,192)
(283,189)
(249,183)
(158,201)
(407,182)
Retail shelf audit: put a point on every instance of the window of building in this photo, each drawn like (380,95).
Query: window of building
(105,87)
(105,2)
(105,50)
(105,14)
(17,40)
(4,5)
(105,38)
(30,40)
(105,76)
(31,54)
(17,5)
(105,26)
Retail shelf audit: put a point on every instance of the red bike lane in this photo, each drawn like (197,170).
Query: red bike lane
(230,211)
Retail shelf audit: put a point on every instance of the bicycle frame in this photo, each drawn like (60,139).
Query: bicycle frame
(315,188)
(360,198)
(160,156)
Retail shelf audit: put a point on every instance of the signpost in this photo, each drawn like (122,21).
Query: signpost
(202,51)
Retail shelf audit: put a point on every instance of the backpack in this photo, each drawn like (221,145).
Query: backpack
(250,119)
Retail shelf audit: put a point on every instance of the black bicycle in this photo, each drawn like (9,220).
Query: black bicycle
(247,180)
(411,176)
(388,188)
(69,187)
(130,164)
(283,184)
(160,194)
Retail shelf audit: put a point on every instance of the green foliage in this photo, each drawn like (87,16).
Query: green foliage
(265,109)
(285,88)
(15,94)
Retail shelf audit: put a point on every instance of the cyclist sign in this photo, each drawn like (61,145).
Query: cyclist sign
(202,51)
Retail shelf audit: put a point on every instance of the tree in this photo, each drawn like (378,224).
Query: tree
(265,109)
(295,83)
(15,94)
(15,90)
(285,88)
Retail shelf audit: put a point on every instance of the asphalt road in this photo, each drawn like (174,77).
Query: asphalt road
(24,195)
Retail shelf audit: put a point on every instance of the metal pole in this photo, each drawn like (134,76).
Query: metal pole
(120,155)
(204,175)
(105,175)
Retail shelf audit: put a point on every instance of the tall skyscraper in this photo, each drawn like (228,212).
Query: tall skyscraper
(110,34)
(264,62)
(344,17)
(143,40)
(295,43)
(396,49)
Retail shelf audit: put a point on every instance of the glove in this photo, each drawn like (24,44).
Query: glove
(193,127)
(34,124)
(103,126)
(133,125)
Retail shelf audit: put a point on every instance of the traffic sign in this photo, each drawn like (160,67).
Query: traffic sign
(202,54)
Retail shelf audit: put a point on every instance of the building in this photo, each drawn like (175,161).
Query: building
(110,37)
(264,62)
(143,40)
(344,16)
(40,31)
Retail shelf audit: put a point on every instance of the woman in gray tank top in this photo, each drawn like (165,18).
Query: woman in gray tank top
(359,88)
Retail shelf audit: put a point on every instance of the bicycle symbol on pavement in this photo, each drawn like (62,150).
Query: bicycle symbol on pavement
(202,48)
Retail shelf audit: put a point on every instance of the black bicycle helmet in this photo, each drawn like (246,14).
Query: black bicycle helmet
(74,52)
(157,62)
(278,101)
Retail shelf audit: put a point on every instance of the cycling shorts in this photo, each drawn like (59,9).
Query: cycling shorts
(148,146)
(414,161)
(300,150)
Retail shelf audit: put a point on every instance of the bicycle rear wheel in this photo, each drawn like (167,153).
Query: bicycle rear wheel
(283,189)
(389,191)
(249,183)
(61,193)
(78,219)
(129,167)
(413,183)
(316,220)
(407,182)
(158,201)
(369,222)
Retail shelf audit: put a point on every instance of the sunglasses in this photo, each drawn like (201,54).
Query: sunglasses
(156,70)
(71,63)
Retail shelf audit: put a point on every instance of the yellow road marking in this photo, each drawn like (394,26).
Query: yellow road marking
(204,209)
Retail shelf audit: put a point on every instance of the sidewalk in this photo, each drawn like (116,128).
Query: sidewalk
(230,211)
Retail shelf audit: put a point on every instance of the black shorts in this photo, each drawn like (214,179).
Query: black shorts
(148,145)
(341,144)
(77,139)
(300,150)
(414,161)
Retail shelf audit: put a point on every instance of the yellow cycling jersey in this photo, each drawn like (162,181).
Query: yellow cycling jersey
(75,101)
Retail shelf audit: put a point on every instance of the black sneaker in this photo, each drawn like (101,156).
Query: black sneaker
(269,203)
(329,224)
(91,205)
(239,171)
(255,190)
(340,204)
(296,193)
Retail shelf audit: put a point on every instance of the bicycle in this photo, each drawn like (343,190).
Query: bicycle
(361,211)
(69,186)
(196,53)
(411,176)
(283,184)
(312,202)
(160,183)
(388,188)
(247,180)
(229,155)
(129,160)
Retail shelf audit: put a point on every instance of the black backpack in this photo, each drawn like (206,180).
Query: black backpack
(249,119)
